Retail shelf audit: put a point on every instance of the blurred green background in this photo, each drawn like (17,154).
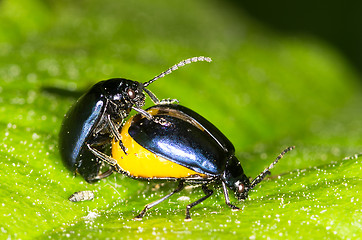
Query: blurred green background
(282,74)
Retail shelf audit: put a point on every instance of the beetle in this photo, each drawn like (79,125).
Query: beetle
(95,118)
(181,145)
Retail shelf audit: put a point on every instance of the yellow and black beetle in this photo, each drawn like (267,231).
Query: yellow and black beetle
(179,144)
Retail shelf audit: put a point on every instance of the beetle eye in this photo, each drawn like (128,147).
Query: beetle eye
(241,188)
(131,93)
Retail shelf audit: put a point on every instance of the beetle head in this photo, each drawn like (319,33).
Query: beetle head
(235,178)
(237,181)
(134,94)
(126,93)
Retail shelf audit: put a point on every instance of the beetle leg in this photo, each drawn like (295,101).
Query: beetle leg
(105,158)
(169,101)
(156,101)
(143,112)
(98,141)
(114,130)
(153,97)
(208,193)
(151,118)
(227,199)
(150,205)
(104,174)
(120,143)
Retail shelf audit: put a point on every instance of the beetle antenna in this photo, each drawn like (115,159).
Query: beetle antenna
(176,66)
(266,171)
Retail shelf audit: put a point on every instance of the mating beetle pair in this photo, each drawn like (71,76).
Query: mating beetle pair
(93,121)
(166,142)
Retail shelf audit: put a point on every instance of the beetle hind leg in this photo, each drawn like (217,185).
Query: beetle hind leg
(208,193)
(150,205)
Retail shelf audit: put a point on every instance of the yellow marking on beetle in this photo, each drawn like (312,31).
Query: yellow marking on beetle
(142,163)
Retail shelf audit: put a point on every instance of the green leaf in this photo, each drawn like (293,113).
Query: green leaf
(264,90)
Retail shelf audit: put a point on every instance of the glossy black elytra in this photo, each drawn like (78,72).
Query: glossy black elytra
(95,118)
(180,145)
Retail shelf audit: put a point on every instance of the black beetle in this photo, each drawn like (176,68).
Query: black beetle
(179,144)
(96,117)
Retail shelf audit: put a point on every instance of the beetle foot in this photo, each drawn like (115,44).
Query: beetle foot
(188,216)
(123,147)
(235,209)
(168,101)
(138,218)
(141,214)
(162,121)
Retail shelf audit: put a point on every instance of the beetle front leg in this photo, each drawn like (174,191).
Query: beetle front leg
(227,199)
(114,130)
(158,120)
(153,97)
(156,101)
(143,112)
(169,101)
